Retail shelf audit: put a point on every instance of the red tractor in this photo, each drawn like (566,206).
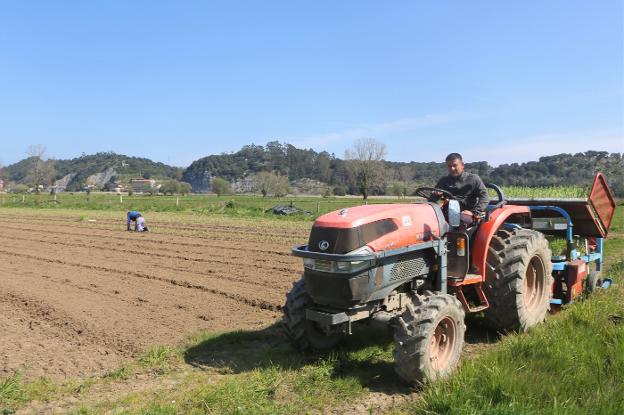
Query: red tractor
(419,269)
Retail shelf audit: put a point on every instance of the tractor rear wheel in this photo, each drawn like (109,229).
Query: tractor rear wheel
(429,338)
(304,334)
(518,280)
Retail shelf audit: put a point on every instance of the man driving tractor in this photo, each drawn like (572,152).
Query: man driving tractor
(467,188)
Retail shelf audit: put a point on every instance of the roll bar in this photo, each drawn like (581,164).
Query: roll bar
(502,201)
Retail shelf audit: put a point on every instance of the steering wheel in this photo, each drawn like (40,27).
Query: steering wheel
(427,192)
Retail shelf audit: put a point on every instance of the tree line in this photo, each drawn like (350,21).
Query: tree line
(280,168)
(375,176)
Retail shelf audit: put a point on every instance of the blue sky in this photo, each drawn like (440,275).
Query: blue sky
(176,81)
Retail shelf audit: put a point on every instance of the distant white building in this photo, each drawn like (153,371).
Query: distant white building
(139,184)
(1,185)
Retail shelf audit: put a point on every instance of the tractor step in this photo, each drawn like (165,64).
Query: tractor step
(478,287)
(467,280)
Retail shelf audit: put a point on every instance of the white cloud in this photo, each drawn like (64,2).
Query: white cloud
(522,149)
(402,125)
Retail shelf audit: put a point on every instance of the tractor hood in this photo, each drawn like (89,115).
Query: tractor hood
(380,227)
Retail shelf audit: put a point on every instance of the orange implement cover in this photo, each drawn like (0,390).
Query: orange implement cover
(602,203)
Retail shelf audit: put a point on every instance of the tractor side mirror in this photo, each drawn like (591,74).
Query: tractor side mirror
(454,213)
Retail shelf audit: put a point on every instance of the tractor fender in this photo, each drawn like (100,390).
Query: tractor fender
(488,229)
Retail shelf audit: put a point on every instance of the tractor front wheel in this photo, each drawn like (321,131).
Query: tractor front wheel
(518,280)
(429,338)
(304,334)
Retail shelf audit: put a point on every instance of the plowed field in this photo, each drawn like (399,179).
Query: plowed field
(78,295)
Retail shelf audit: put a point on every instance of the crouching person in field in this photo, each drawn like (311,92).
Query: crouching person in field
(139,221)
(140,225)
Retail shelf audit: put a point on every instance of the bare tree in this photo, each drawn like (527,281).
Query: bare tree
(264,182)
(406,177)
(270,183)
(41,169)
(365,164)
(221,186)
(406,173)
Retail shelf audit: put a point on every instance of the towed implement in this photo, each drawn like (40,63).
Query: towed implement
(419,269)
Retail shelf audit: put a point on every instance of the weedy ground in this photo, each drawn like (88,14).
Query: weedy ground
(572,364)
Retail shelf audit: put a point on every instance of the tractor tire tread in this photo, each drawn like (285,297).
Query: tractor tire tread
(507,261)
(413,333)
(303,336)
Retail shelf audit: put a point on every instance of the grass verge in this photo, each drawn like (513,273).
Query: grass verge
(572,364)
(253,372)
(15,393)
(258,373)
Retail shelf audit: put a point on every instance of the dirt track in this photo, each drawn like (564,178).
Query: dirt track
(78,297)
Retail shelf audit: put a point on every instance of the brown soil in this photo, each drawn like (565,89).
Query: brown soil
(77,298)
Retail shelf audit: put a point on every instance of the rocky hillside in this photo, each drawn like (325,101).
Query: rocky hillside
(286,160)
(97,170)
(302,167)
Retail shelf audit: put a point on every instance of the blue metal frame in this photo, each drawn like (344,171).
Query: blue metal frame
(572,254)
(593,257)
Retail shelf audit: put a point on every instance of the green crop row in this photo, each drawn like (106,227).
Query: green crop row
(239,205)
(546,192)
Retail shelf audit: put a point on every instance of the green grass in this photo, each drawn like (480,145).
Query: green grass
(572,364)
(158,359)
(241,372)
(546,192)
(261,374)
(15,393)
(614,244)
(236,205)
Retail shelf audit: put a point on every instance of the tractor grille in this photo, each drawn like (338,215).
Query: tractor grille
(323,265)
(336,290)
(410,266)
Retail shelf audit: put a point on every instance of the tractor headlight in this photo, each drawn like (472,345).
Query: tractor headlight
(343,267)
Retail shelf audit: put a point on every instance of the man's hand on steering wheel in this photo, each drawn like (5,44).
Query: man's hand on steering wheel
(478,216)
(428,192)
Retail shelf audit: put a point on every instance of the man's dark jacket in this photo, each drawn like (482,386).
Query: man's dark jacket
(468,189)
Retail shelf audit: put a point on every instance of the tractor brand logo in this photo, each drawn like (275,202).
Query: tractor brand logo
(323,245)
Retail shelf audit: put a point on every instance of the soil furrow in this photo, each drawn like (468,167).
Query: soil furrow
(167,225)
(157,238)
(193,272)
(265,305)
(77,331)
(78,297)
(134,251)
